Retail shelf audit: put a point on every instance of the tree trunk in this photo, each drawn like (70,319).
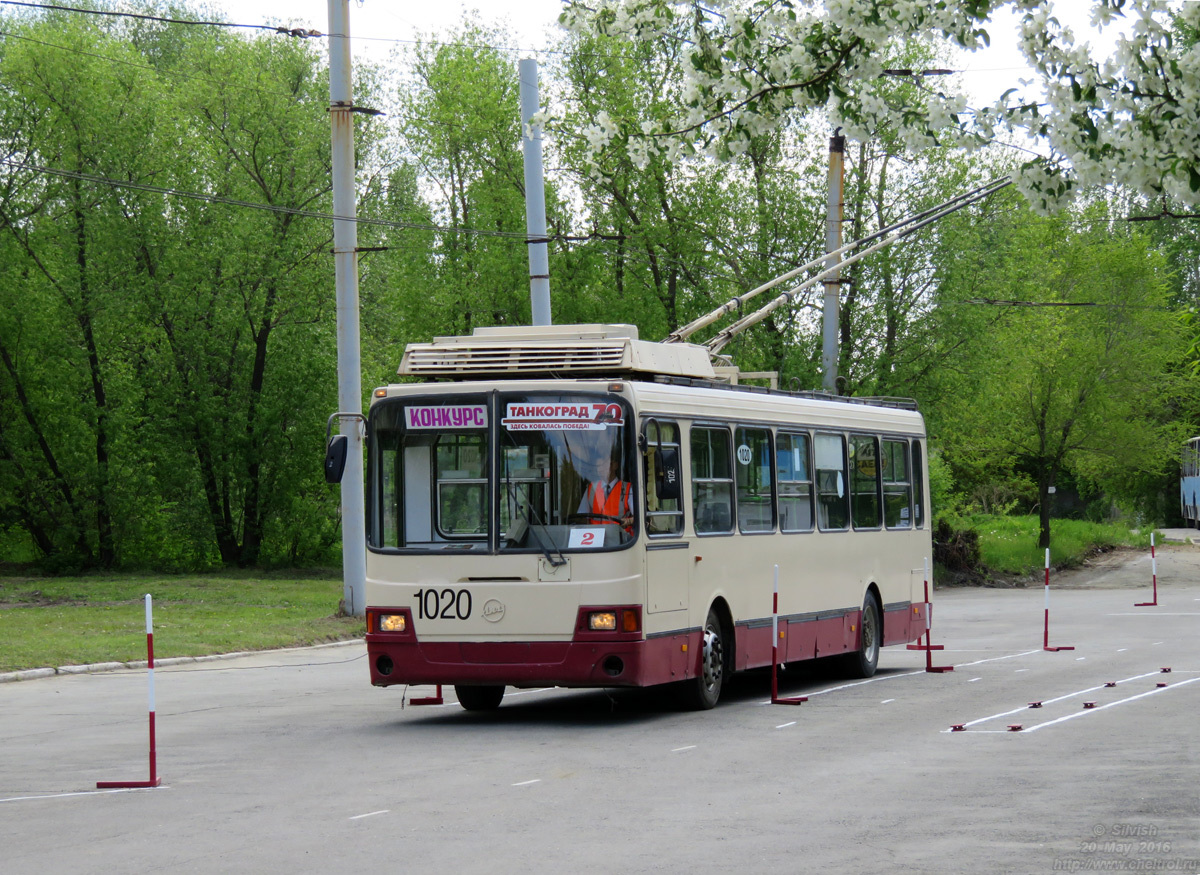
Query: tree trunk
(1045,502)
(105,548)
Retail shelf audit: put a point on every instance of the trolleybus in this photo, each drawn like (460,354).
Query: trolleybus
(572,506)
(1189,483)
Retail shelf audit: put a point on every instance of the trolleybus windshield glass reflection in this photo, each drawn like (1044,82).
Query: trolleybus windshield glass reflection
(565,477)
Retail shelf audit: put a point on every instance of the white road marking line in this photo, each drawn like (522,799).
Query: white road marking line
(1112,704)
(1148,674)
(1019,670)
(82,793)
(1159,614)
(972,680)
(785,725)
(885,677)
(885,701)
(1080,658)
(527,783)
(906,674)
(689,747)
(370,814)
(997,658)
(1122,649)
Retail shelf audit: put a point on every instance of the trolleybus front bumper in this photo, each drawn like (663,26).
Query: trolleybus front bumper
(588,659)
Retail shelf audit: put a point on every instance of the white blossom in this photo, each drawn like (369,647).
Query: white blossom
(1126,118)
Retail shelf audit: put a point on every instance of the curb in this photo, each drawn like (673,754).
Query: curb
(30,674)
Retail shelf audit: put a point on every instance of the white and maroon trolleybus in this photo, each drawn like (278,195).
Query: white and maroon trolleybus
(498,555)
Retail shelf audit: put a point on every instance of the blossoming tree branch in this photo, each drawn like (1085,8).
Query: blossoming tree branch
(751,66)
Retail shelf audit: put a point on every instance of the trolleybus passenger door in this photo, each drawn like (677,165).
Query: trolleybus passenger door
(668,557)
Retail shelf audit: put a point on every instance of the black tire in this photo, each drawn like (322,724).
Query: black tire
(703,691)
(479,698)
(863,662)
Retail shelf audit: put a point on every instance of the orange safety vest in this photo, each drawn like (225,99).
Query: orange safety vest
(615,504)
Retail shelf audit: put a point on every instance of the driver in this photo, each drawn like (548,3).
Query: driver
(608,495)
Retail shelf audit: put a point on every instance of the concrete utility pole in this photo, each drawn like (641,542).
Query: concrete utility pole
(345,260)
(833,285)
(535,195)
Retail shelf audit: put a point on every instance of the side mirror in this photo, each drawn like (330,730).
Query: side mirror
(335,458)
(667,481)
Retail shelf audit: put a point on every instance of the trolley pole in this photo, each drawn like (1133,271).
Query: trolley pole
(535,195)
(345,260)
(833,285)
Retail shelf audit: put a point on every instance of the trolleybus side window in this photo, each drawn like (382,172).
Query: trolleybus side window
(712,481)
(832,497)
(385,516)
(795,483)
(897,487)
(664,515)
(918,479)
(864,480)
(755,495)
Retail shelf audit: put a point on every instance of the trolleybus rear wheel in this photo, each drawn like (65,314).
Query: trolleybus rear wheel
(703,691)
(479,698)
(863,662)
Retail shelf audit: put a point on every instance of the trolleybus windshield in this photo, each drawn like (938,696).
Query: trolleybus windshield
(562,479)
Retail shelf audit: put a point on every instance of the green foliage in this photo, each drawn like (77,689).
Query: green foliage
(1009,544)
(1071,370)
(81,620)
(166,361)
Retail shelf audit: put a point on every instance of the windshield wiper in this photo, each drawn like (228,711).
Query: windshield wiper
(524,511)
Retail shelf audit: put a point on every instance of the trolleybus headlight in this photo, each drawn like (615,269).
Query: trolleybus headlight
(392,622)
(614,620)
(602,621)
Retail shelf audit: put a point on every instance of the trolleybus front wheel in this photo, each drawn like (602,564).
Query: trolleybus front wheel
(863,662)
(703,691)
(479,698)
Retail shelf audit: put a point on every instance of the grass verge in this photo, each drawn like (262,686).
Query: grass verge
(1008,544)
(58,621)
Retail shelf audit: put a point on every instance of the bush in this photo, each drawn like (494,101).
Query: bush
(956,550)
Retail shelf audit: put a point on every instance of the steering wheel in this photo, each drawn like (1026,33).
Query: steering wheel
(603,517)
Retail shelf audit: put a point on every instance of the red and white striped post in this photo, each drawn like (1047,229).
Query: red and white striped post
(1153,576)
(1046,633)
(154,779)
(435,699)
(929,646)
(775,700)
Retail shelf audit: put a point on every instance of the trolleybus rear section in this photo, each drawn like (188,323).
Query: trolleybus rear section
(571,506)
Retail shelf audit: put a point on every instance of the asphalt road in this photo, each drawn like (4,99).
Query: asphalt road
(291,762)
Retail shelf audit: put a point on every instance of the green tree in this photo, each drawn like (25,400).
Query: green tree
(1073,378)
(166,360)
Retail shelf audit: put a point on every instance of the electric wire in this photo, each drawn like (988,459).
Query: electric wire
(294,32)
